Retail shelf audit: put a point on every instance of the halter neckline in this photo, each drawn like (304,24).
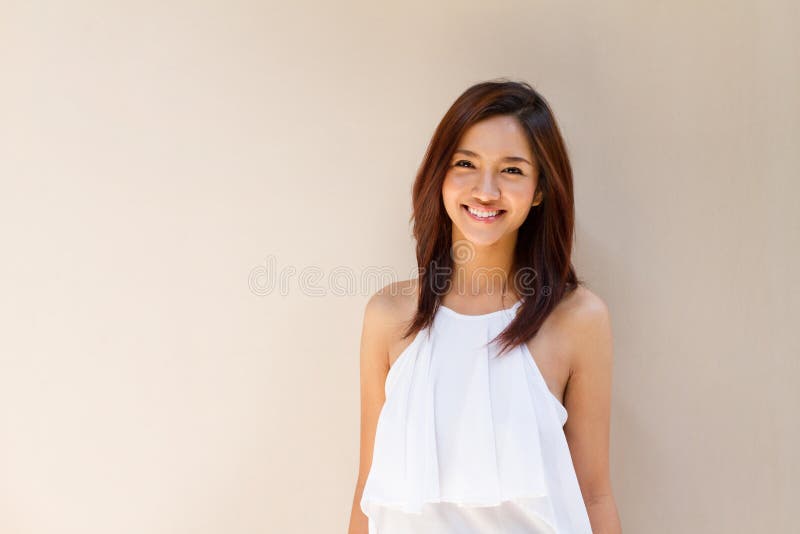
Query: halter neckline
(482,315)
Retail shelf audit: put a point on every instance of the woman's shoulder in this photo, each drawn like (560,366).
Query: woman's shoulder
(394,305)
(581,304)
(388,313)
(582,317)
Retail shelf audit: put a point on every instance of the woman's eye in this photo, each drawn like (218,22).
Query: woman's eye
(469,164)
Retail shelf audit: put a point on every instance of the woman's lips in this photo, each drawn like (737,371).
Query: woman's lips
(483,219)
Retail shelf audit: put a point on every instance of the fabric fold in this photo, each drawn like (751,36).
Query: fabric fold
(470,441)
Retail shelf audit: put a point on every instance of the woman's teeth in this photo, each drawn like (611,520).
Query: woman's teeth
(481,214)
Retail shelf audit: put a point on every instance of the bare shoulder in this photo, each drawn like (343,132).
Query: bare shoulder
(394,302)
(389,311)
(588,394)
(578,309)
(382,318)
(398,294)
(584,316)
(582,304)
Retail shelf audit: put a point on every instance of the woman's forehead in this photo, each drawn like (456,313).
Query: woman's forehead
(496,137)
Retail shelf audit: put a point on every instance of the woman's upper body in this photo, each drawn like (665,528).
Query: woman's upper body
(574,342)
(492,197)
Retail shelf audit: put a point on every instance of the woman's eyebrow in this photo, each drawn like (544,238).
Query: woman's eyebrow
(507,158)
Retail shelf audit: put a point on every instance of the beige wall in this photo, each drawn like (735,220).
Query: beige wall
(154,154)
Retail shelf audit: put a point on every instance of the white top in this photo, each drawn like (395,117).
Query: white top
(469,441)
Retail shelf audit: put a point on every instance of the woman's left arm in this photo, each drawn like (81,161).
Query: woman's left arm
(588,402)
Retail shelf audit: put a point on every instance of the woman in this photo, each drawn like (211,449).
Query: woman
(486,381)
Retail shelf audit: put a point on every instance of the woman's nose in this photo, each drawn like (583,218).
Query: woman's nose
(486,189)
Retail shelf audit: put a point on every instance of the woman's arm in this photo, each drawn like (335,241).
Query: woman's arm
(374,366)
(588,401)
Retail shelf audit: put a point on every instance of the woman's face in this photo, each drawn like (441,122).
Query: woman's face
(492,169)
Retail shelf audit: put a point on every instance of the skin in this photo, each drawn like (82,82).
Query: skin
(573,349)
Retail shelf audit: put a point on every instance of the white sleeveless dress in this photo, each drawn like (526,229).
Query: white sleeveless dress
(469,442)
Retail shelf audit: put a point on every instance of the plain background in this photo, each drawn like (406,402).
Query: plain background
(199,197)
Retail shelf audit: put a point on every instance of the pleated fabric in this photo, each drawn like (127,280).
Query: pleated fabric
(470,442)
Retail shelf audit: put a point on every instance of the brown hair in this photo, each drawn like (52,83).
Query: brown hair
(542,269)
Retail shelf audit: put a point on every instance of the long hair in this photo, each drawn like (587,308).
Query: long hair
(542,268)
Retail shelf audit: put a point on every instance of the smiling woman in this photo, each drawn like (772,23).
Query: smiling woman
(463,426)
(486,167)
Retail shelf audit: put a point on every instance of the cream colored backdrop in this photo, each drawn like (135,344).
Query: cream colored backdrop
(199,197)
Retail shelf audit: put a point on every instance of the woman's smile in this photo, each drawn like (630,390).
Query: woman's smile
(481,215)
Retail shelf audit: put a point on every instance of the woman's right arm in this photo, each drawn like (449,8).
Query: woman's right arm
(373,369)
